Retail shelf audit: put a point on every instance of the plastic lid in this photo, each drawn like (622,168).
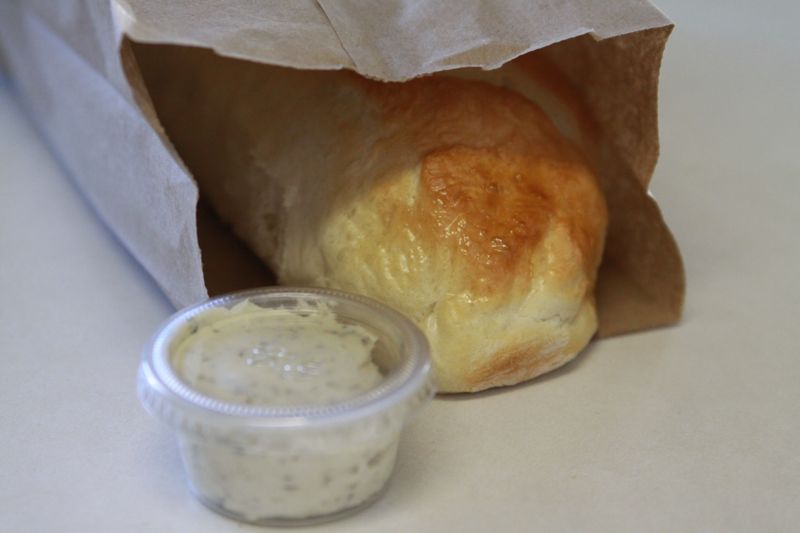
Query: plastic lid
(406,385)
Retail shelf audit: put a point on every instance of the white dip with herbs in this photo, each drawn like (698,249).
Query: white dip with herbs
(261,357)
(276,357)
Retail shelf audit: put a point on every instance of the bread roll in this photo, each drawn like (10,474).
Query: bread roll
(453,200)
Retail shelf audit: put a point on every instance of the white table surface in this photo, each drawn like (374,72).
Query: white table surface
(691,428)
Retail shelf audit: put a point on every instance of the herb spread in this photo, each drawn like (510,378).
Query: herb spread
(279,357)
(276,357)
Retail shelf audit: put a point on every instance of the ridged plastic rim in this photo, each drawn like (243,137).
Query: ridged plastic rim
(158,381)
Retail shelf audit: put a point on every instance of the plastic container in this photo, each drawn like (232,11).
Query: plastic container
(291,465)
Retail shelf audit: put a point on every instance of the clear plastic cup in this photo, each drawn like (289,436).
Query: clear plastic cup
(291,465)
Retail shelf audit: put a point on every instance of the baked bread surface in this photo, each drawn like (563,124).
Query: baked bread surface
(453,200)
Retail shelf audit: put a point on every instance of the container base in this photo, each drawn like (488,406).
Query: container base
(279,521)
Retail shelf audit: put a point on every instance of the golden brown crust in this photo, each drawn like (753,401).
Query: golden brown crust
(528,360)
(513,365)
(495,173)
(496,180)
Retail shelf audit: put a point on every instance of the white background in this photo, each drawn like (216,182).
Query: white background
(690,428)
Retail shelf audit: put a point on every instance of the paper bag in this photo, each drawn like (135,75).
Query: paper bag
(74,64)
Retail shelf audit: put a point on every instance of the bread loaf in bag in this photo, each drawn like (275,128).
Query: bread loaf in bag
(454,200)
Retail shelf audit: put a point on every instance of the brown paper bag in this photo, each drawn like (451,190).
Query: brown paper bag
(75,66)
